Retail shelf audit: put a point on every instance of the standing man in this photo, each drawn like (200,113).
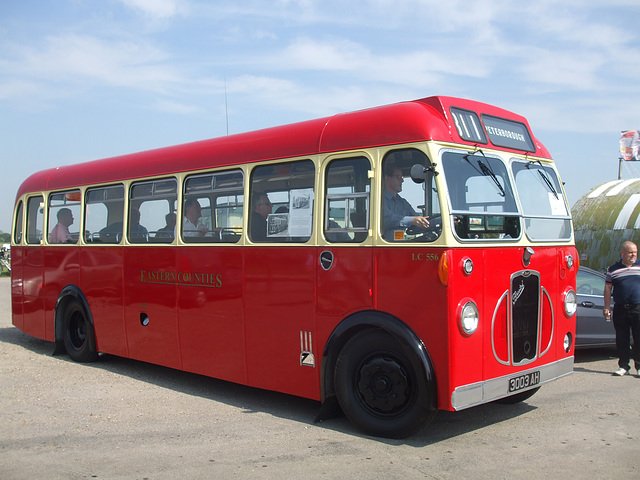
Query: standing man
(624,278)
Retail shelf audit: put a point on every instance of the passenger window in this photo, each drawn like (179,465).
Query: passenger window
(64,217)
(346,211)
(213,207)
(406,204)
(282,202)
(17,226)
(35,206)
(152,211)
(104,213)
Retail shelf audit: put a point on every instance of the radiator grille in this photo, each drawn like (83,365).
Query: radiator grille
(525,314)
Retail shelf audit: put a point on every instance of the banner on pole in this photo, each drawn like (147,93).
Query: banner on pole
(630,145)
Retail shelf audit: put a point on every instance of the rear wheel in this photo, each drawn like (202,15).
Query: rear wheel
(79,337)
(382,388)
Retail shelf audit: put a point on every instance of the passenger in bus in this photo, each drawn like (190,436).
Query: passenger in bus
(398,213)
(191,224)
(336,236)
(169,230)
(60,233)
(262,207)
(137,233)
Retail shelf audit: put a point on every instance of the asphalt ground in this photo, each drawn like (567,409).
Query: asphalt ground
(124,419)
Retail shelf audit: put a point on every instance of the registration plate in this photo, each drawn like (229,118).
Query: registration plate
(524,381)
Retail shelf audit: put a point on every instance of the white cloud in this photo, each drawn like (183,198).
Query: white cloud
(424,68)
(562,69)
(16,88)
(82,59)
(176,107)
(157,9)
(306,53)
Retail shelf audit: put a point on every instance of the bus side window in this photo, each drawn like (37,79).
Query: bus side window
(150,206)
(103,214)
(213,207)
(17,227)
(64,217)
(35,206)
(348,187)
(282,200)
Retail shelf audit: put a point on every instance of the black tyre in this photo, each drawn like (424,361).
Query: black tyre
(518,397)
(382,388)
(79,336)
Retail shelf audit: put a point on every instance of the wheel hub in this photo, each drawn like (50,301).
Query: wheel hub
(383,384)
(78,331)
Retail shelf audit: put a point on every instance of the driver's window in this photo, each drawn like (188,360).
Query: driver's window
(410,211)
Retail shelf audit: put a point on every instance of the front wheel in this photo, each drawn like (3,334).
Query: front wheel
(382,388)
(79,337)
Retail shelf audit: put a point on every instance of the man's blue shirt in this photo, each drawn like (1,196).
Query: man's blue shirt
(397,213)
(625,281)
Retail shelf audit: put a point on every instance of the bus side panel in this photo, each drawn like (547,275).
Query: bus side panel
(150,305)
(279,302)
(33,296)
(467,357)
(17,299)
(409,289)
(102,285)
(62,268)
(210,312)
(347,286)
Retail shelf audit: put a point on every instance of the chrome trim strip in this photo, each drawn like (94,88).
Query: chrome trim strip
(483,392)
(553,321)
(493,324)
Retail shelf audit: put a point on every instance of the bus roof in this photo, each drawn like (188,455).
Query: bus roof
(412,121)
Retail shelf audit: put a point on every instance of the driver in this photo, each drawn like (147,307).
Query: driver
(398,213)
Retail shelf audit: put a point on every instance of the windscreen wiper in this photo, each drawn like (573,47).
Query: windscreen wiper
(486,171)
(545,178)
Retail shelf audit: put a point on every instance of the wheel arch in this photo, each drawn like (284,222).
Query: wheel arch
(373,320)
(68,294)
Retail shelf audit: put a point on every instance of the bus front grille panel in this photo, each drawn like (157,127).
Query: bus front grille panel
(525,306)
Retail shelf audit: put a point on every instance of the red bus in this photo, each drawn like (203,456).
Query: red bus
(394,261)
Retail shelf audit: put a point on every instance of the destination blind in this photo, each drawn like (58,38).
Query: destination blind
(507,133)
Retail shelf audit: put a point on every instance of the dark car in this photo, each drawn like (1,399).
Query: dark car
(592,330)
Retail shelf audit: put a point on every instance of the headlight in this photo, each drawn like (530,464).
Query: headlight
(570,303)
(469,318)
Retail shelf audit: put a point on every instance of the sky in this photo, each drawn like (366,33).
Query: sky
(88,79)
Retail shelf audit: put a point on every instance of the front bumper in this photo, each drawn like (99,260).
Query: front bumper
(483,392)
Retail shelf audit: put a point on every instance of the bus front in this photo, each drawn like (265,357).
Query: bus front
(509,274)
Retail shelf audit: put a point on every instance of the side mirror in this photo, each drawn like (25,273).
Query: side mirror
(419,173)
